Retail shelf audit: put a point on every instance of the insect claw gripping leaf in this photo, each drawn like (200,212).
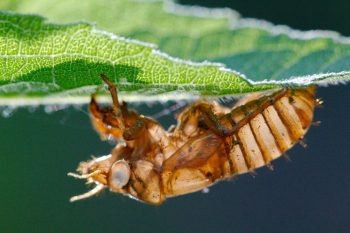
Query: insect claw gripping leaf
(116,106)
(210,143)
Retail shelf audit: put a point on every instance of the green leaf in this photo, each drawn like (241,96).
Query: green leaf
(64,61)
(268,55)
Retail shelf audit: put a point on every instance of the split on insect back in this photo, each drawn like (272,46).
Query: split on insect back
(209,144)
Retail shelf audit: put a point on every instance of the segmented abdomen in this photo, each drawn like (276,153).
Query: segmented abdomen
(263,129)
(268,126)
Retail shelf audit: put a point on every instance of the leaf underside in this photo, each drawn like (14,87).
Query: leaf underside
(45,63)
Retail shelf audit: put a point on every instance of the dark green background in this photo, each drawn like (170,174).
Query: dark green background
(309,194)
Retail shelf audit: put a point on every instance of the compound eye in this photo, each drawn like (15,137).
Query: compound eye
(120,174)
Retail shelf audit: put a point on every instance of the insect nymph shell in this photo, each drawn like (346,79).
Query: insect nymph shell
(208,144)
(142,174)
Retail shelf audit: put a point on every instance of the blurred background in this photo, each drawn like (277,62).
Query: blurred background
(309,194)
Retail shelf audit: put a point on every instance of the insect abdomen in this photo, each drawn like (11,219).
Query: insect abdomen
(269,126)
(263,129)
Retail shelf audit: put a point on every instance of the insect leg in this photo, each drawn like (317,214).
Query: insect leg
(88,194)
(130,123)
(85,176)
(116,108)
(104,120)
(212,121)
(113,90)
(95,108)
(134,130)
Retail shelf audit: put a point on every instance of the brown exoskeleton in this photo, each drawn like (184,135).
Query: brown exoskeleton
(210,143)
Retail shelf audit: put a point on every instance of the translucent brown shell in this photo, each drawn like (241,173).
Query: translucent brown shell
(209,144)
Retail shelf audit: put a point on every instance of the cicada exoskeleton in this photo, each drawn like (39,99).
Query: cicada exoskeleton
(209,144)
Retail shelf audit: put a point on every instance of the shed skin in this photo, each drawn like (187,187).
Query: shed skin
(210,142)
